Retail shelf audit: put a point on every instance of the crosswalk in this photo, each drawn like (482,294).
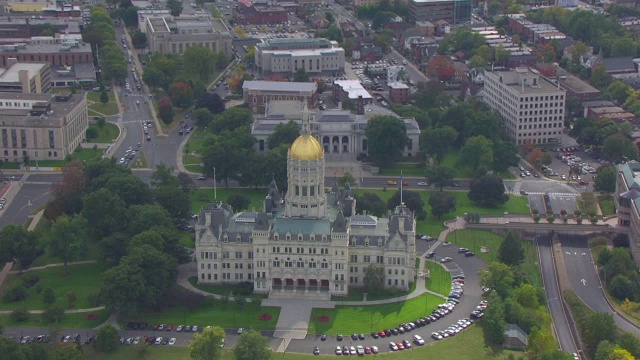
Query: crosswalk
(135,121)
(553,194)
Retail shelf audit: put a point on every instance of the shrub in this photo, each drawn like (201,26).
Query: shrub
(621,240)
(16,293)
(38,288)
(53,313)
(19,315)
(594,220)
(93,298)
(535,212)
(48,296)
(30,280)
(551,219)
(536,218)
(243,289)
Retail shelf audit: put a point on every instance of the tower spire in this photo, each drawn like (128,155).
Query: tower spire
(306,116)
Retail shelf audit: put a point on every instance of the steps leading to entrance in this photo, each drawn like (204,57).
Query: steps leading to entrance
(299,295)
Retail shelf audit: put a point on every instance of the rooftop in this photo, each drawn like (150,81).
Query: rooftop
(524,81)
(23,118)
(354,88)
(10,75)
(280,86)
(398,85)
(45,48)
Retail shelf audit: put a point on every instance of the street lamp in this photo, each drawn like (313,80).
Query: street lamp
(215,190)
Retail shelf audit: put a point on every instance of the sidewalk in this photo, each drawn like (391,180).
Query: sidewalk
(51,265)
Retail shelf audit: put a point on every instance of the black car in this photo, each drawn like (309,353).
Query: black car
(469,254)
(345,350)
(361,336)
(165,341)
(354,336)
(401,330)
(316,351)
(430,255)
(374,335)
(323,337)
(395,331)
(339,337)
(387,332)
(89,340)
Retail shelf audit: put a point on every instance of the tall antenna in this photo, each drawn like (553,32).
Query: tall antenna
(305,120)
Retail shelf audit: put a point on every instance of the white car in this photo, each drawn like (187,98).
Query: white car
(194,328)
(240,330)
(136,341)
(374,349)
(352,351)
(446,243)
(360,350)
(172,341)
(338,350)
(393,346)
(158,340)
(422,183)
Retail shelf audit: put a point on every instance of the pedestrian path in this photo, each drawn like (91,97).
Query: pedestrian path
(51,265)
(553,194)
(72,311)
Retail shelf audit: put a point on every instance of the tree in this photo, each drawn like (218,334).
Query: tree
(202,117)
(526,295)
(511,251)
(65,351)
(599,77)
(67,194)
(438,141)
(199,62)
(48,296)
(497,276)
(301,76)
(127,187)
(386,138)
(107,339)
(284,133)
(238,202)
(139,39)
(213,102)
(618,147)
(53,314)
(622,288)
(537,157)
(487,191)
(477,152)
(252,346)
(630,343)
(104,97)
(231,120)
(175,201)
(606,179)
(181,94)
(175,7)
(505,154)
(374,279)
(442,203)
(371,203)
(123,288)
(152,76)
(105,213)
(411,200)
(72,298)
(440,67)
(67,239)
(597,327)
(618,91)
(440,175)
(165,110)
(145,217)
(18,245)
(494,320)
(206,346)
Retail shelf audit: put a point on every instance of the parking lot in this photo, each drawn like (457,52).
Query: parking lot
(587,161)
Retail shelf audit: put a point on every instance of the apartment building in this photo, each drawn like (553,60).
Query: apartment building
(532,107)
(451,11)
(25,78)
(627,201)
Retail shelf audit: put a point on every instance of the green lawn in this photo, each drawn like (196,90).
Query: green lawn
(92,254)
(530,267)
(193,168)
(474,239)
(99,109)
(432,226)
(9,165)
(187,239)
(82,279)
(587,203)
(606,204)
(439,279)
(140,162)
(451,160)
(192,163)
(106,134)
(229,316)
(78,155)
(200,197)
(70,321)
(357,319)
(357,294)
(222,289)
(195,142)
(407,169)
(468,345)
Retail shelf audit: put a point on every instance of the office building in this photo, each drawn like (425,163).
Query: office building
(288,55)
(532,107)
(258,94)
(451,11)
(41,126)
(64,54)
(173,35)
(627,201)
(25,78)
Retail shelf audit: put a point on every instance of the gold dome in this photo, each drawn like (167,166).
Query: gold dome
(306,147)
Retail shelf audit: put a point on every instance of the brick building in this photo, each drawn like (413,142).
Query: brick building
(352,90)
(69,53)
(258,94)
(398,93)
(248,12)
(451,11)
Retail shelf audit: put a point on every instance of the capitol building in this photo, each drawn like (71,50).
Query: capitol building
(306,240)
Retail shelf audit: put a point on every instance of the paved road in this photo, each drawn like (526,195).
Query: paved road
(584,280)
(27,200)
(552,292)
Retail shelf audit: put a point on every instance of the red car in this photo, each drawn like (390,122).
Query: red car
(382,334)
(169,327)
(400,345)
(404,183)
(367,350)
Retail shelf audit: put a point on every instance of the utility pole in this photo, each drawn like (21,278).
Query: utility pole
(215,190)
